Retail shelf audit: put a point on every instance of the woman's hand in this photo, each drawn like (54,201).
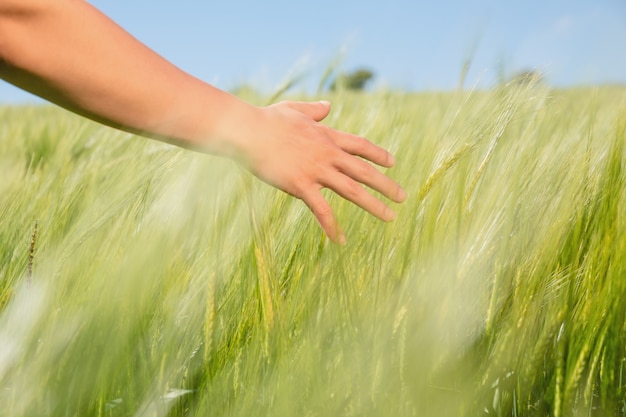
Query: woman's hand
(73,55)
(292,151)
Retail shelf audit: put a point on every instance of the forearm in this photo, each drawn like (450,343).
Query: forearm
(71,54)
(55,49)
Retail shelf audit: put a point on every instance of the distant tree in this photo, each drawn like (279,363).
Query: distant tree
(527,77)
(356,80)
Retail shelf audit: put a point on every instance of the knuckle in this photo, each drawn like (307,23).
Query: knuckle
(301,189)
(361,145)
(323,211)
(353,190)
(367,171)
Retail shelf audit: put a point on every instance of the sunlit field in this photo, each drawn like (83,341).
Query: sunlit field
(139,279)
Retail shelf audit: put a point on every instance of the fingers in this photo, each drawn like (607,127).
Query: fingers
(324,215)
(357,145)
(353,144)
(362,172)
(314,156)
(354,192)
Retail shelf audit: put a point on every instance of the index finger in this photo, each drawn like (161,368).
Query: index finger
(359,146)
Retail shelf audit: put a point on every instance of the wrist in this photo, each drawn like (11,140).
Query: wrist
(234,126)
(215,122)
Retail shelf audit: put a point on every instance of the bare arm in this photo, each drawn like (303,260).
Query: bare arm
(67,52)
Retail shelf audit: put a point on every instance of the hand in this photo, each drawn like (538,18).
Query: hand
(109,76)
(300,156)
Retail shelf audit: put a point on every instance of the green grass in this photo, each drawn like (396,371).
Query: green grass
(169,283)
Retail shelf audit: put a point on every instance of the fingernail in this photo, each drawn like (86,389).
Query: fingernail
(325,103)
(391,159)
(390,214)
(342,240)
(401,195)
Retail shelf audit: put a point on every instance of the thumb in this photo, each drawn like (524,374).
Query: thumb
(316,110)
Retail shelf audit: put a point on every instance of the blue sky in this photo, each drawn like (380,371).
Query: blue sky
(409,44)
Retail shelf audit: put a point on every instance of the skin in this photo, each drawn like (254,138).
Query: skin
(69,53)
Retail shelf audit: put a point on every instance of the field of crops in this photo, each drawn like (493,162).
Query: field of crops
(138,279)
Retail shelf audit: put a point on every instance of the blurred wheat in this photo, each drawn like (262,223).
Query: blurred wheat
(168,283)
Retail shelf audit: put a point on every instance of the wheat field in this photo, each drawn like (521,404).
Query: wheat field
(139,279)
